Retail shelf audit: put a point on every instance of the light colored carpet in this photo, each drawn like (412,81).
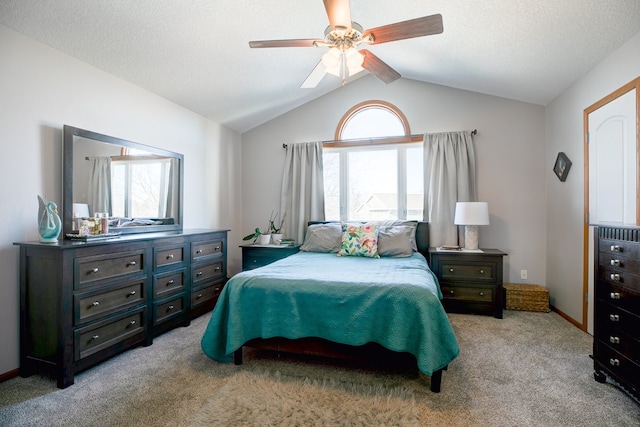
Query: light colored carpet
(528,369)
(273,400)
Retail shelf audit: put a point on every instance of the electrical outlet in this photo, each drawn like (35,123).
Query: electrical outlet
(523,274)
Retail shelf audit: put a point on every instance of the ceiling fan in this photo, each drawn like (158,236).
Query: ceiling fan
(343,36)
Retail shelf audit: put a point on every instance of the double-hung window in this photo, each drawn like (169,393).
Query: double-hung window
(375,171)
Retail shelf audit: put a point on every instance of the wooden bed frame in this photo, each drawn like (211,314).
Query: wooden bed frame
(326,348)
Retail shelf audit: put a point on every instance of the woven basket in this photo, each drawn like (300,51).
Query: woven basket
(527,297)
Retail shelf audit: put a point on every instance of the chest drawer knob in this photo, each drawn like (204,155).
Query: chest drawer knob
(132,293)
(199,273)
(131,263)
(481,271)
(95,303)
(614,317)
(615,277)
(217,248)
(614,340)
(615,262)
(451,292)
(133,322)
(481,294)
(217,268)
(95,337)
(171,307)
(170,282)
(615,295)
(614,362)
(170,256)
(198,296)
(199,251)
(95,270)
(451,270)
(616,248)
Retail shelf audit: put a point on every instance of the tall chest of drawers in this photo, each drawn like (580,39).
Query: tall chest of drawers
(83,302)
(616,343)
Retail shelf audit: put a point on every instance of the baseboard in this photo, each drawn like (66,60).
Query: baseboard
(8,375)
(569,319)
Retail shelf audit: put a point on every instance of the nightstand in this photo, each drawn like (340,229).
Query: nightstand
(254,256)
(471,282)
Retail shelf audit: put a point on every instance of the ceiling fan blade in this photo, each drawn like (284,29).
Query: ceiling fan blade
(425,26)
(315,76)
(285,43)
(378,68)
(339,13)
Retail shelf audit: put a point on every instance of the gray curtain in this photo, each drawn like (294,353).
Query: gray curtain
(302,197)
(99,192)
(449,177)
(172,204)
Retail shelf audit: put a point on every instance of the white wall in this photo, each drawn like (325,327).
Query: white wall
(509,147)
(41,90)
(565,200)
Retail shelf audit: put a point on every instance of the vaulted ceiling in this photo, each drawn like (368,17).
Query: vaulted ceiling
(196,52)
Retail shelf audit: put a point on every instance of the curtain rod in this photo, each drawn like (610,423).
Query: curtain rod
(382,139)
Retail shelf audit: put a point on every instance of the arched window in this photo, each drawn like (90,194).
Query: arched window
(374,169)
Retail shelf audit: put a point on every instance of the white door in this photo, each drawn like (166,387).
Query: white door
(612,171)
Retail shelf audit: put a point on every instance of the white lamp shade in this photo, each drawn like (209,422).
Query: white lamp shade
(471,213)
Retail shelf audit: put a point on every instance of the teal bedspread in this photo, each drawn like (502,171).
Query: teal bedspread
(394,302)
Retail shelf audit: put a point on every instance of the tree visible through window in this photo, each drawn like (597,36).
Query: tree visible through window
(373,178)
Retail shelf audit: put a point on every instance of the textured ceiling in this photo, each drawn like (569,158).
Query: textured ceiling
(196,54)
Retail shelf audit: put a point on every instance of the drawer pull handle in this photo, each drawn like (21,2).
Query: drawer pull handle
(170,256)
(614,340)
(615,262)
(95,303)
(481,294)
(132,293)
(133,322)
(451,270)
(199,251)
(614,362)
(614,317)
(481,271)
(170,282)
(217,268)
(217,248)
(451,292)
(217,289)
(95,337)
(199,296)
(615,295)
(131,263)
(199,273)
(616,248)
(615,277)
(170,308)
(95,270)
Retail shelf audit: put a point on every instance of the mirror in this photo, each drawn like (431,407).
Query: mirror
(139,187)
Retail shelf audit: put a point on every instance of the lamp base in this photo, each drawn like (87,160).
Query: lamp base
(471,237)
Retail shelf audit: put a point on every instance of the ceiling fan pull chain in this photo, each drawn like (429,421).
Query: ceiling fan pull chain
(343,61)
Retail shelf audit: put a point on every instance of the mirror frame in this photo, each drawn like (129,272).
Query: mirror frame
(69,135)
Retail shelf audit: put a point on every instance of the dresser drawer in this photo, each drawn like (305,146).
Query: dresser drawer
(611,317)
(618,364)
(200,250)
(619,340)
(91,305)
(201,296)
(165,284)
(466,271)
(169,257)
(168,310)
(617,295)
(479,293)
(624,248)
(619,263)
(202,273)
(91,339)
(618,276)
(91,269)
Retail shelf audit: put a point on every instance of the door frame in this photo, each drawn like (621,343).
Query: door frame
(634,84)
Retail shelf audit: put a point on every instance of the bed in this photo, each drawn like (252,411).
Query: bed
(315,302)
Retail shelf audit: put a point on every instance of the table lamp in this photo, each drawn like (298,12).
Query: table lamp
(471,215)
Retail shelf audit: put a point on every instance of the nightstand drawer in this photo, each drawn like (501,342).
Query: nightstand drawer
(259,256)
(482,294)
(458,271)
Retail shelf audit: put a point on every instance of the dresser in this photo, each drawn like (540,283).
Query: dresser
(254,256)
(616,339)
(83,302)
(471,282)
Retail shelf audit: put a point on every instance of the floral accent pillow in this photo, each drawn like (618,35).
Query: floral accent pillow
(359,240)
